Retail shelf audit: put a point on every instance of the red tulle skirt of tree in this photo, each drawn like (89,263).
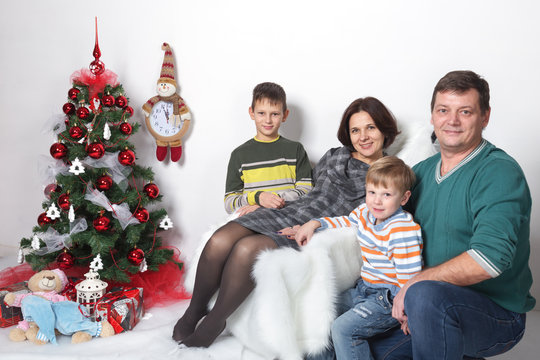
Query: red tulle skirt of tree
(160,288)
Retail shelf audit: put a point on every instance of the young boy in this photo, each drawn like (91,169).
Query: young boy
(391,245)
(267,170)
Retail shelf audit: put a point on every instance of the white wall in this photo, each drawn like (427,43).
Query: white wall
(325,54)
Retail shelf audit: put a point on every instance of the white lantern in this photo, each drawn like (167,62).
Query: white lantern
(89,291)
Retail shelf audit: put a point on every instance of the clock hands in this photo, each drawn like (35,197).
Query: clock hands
(166,112)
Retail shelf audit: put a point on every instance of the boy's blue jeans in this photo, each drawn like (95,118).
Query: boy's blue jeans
(366,311)
(450,322)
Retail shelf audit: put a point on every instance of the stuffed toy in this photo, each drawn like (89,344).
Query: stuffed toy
(167,117)
(45,310)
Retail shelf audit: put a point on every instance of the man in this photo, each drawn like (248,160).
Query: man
(473,203)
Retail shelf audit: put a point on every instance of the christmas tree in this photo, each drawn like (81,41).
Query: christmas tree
(97,204)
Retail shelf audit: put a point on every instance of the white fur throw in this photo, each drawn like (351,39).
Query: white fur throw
(290,312)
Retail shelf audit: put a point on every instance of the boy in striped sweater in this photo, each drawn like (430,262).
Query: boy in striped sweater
(391,245)
(267,170)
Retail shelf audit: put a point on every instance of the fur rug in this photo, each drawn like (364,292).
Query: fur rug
(290,312)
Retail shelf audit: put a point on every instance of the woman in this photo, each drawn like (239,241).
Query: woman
(367,127)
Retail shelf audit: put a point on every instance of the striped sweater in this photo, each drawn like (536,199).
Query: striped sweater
(280,166)
(391,250)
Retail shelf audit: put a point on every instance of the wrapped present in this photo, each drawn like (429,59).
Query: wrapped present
(11,315)
(122,307)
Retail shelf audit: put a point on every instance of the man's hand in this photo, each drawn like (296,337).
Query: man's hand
(398,308)
(269,200)
(405,327)
(461,270)
(246,209)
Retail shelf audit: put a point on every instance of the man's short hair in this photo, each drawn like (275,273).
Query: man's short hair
(273,92)
(461,81)
(391,170)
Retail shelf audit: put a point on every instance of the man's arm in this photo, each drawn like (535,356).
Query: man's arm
(461,270)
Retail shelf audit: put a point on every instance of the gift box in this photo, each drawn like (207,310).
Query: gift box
(122,307)
(11,315)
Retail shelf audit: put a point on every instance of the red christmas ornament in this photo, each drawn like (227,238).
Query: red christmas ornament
(104,183)
(83,113)
(65,260)
(151,190)
(121,101)
(63,202)
(129,111)
(136,256)
(126,157)
(73,92)
(102,223)
(108,100)
(95,150)
(43,219)
(58,150)
(50,189)
(76,132)
(142,215)
(68,108)
(126,128)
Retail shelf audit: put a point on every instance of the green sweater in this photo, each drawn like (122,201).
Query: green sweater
(280,166)
(482,207)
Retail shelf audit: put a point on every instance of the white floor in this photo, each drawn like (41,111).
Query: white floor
(150,339)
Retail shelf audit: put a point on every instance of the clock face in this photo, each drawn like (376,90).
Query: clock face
(162,120)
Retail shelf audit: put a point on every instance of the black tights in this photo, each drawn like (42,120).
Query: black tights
(225,264)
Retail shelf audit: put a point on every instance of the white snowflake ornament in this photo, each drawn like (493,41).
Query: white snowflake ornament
(106,131)
(166,223)
(76,167)
(53,212)
(96,264)
(35,242)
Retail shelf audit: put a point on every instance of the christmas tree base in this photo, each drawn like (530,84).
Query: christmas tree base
(161,288)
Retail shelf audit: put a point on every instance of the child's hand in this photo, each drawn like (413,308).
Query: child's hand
(247,209)
(272,201)
(306,231)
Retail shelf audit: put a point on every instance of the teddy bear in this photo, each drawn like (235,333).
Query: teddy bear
(46,311)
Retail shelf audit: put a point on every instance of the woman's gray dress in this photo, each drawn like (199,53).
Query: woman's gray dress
(339,188)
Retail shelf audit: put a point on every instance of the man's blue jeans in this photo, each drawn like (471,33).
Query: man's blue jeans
(367,311)
(450,322)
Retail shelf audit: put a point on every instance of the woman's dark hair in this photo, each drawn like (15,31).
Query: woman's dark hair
(383,118)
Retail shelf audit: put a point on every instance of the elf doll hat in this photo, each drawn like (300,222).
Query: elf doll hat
(167,69)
